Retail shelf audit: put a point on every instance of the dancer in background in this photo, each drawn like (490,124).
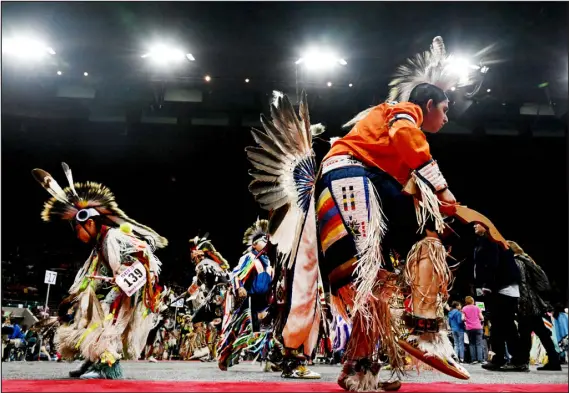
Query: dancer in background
(210,284)
(247,318)
(109,311)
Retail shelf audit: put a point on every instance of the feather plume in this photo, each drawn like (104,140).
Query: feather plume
(260,187)
(266,143)
(434,67)
(271,197)
(263,176)
(334,139)
(69,177)
(276,96)
(276,135)
(264,168)
(48,182)
(262,156)
(317,129)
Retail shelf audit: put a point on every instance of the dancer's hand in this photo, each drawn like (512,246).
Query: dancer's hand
(448,202)
(241,292)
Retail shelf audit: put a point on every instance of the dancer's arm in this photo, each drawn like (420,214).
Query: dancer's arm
(413,148)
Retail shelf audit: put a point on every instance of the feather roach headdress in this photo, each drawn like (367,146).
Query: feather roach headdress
(434,67)
(81,201)
(256,231)
(205,245)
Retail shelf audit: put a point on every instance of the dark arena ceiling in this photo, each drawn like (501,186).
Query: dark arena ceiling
(523,44)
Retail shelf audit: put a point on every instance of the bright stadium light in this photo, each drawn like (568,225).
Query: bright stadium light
(207,78)
(59,72)
(329,84)
(318,59)
(163,55)
(26,48)
(463,68)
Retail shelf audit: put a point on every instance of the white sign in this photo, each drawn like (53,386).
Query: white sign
(50,277)
(480,305)
(179,303)
(132,279)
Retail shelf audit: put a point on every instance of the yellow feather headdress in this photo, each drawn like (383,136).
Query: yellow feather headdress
(69,202)
(259,229)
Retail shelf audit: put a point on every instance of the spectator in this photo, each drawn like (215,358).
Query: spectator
(561,331)
(456,322)
(473,320)
(532,308)
(16,339)
(498,277)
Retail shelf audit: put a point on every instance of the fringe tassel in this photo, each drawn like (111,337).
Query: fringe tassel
(370,256)
(343,302)
(427,207)
(433,249)
(368,297)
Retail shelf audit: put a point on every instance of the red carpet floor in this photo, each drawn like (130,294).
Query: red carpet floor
(21,386)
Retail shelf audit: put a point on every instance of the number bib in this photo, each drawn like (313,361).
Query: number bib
(132,279)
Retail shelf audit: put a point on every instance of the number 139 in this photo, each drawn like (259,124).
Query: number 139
(135,275)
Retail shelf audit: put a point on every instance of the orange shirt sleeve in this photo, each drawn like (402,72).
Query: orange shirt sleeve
(406,136)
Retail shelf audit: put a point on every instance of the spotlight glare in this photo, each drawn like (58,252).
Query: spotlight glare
(350,85)
(329,84)
(59,72)
(207,78)
(247,80)
(26,48)
(86,73)
(316,59)
(453,88)
(162,55)
(462,68)
(489,90)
